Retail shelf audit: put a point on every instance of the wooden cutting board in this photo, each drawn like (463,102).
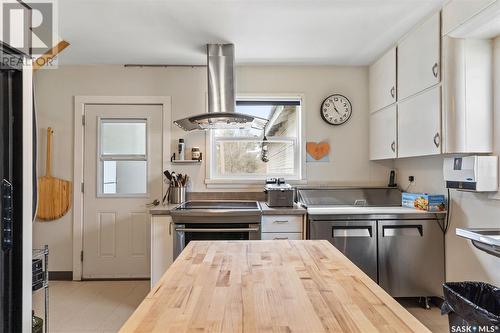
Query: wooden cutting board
(54,194)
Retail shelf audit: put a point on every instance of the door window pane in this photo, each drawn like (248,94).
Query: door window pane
(123,137)
(124,177)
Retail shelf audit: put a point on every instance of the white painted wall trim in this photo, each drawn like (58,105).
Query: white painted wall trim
(79,139)
(27,197)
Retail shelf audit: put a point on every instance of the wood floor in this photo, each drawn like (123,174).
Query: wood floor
(103,306)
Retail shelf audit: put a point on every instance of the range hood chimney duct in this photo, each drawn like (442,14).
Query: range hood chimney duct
(221,80)
(221,95)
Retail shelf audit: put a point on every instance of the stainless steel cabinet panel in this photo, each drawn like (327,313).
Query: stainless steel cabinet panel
(411,257)
(357,240)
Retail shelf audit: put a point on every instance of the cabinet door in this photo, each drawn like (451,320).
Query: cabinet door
(161,246)
(383,134)
(357,240)
(418,58)
(382,81)
(411,257)
(419,124)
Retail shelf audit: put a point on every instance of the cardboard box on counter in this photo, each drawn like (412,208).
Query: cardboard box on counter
(424,201)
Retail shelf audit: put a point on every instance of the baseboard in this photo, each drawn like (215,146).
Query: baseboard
(60,275)
(117,279)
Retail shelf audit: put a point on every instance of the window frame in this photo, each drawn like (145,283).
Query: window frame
(214,180)
(121,157)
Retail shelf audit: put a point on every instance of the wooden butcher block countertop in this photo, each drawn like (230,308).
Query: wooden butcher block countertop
(268,286)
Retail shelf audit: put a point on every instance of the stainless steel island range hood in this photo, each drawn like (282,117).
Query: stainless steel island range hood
(221,95)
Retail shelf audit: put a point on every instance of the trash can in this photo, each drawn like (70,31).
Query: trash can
(472,307)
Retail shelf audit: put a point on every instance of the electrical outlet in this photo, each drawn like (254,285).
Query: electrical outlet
(411,179)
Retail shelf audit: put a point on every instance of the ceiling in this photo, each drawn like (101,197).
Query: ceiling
(338,32)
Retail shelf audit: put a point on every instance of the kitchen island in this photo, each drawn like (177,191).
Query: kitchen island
(257,286)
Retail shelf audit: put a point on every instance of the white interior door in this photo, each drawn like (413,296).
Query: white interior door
(122,173)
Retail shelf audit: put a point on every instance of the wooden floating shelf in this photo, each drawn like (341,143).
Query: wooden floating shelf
(186,162)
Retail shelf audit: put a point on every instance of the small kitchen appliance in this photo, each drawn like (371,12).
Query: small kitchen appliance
(279,194)
(471,173)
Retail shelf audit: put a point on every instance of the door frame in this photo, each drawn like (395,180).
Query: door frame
(79,141)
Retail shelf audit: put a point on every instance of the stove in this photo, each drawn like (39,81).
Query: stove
(215,220)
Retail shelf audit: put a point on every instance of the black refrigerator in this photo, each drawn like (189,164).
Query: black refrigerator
(11,183)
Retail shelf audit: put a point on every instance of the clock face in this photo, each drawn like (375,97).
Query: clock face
(336,109)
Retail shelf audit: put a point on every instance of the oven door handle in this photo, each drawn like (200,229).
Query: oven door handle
(217,229)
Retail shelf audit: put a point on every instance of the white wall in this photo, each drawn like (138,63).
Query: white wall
(463,260)
(349,163)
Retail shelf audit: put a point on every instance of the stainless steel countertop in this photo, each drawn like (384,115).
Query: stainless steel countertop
(162,210)
(484,239)
(490,236)
(265,209)
(295,210)
(347,210)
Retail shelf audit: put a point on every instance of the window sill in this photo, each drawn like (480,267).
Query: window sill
(244,183)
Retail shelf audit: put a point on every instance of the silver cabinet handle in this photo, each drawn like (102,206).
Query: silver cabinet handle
(352,231)
(170,228)
(437,140)
(216,229)
(280,221)
(435,70)
(393,146)
(393,92)
(280,238)
(402,230)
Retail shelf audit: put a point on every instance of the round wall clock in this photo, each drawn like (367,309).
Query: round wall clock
(336,109)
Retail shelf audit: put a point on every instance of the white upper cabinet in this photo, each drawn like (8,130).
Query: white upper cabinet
(419,124)
(467,95)
(418,58)
(382,81)
(383,141)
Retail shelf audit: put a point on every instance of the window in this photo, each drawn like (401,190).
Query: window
(122,157)
(250,154)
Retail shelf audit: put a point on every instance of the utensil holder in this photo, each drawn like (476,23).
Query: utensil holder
(177,194)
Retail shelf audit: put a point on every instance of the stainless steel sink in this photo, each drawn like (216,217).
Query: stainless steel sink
(485,239)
